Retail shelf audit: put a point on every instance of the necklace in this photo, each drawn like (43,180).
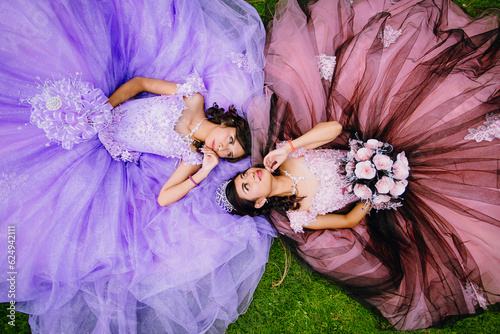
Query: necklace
(294,179)
(188,138)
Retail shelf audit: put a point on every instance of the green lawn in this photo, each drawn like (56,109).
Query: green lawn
(306,302)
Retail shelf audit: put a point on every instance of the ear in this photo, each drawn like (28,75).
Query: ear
(260,203)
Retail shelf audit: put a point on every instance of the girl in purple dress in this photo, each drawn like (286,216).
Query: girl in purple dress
(419,77)
(94,251)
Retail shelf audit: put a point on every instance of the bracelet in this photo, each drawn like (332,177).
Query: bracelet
(195,184)
(291,145)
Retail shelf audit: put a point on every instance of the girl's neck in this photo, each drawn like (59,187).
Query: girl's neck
(282,186)
(205,128)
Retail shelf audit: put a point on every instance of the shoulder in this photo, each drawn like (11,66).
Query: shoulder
(195,103)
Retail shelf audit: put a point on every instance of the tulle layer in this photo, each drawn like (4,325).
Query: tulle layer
(94,251)
(418,75)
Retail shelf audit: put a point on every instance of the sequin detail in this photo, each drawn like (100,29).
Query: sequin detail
(389,36)
(9,182)
(148,126)
(331,195)
(488,131)
(326,66)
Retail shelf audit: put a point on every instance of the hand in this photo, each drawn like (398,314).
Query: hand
(210,159)
(275,158)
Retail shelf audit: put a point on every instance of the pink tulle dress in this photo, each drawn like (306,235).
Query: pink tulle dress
(425,78)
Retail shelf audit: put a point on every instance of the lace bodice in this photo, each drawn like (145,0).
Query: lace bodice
(147,126)
(331,194)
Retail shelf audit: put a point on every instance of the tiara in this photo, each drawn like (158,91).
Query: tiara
(221,197)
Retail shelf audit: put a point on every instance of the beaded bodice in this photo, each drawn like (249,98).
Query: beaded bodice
(331,193)
(147,125)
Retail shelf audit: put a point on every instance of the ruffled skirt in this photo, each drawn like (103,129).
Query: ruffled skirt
(93,250)
(424,77)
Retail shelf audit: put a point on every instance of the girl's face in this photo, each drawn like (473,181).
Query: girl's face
(222,140)
(254,185)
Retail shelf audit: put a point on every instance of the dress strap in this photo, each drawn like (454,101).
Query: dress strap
(188,138)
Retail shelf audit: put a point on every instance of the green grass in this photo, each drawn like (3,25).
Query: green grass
(305,302)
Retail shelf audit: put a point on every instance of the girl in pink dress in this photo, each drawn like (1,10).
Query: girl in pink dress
(423,78)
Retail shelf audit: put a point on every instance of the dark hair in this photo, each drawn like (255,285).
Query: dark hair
(244,207)
(231,119)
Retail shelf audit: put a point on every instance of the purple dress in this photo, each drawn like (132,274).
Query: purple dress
(148,126)
(425,78)
(94,252)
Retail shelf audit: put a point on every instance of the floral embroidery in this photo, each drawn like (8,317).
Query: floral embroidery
(241,60)
(326,66)
(389,36)
(476,294)
(489,131)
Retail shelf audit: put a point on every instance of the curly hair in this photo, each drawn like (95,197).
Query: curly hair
(244,207)
(230,118)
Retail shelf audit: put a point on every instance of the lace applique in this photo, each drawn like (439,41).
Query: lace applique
(9,182)
(300,219)
(489,131)
(241,60)
(389,36)
(115,148)
(326,66)
(194,84)
(476,294)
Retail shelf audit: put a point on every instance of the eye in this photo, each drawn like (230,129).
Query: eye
(245,186)
(229,154)
(231,140)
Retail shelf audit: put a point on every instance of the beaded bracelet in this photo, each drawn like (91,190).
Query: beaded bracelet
(290,142)
(195,184)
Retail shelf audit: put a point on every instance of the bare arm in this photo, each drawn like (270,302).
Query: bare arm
(140,84)
(348,220)
(320,134)
(179,184)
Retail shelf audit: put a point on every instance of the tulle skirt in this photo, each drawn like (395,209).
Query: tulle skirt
(93,250)
(424,77)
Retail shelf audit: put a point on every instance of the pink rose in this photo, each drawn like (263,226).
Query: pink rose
(399,188)
(382,162)
(400,170)
(362,191)
(381,199)
(365,170)
(373,144)
(363,154)
(384,185)
(402,158)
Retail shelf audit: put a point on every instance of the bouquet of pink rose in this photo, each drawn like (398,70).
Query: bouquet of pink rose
(373,175)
